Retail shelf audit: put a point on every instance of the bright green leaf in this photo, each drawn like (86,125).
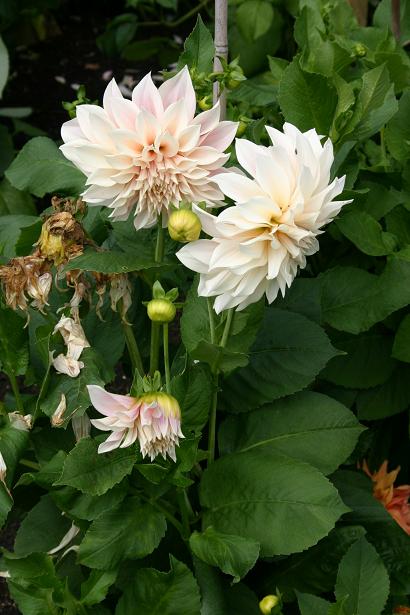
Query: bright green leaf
(254,18)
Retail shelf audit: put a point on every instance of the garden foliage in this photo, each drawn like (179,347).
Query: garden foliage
(307,388)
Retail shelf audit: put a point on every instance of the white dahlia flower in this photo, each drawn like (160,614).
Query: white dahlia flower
(258,245)
(150,152)
(154,419)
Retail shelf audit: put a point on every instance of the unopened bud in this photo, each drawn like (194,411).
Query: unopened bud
(268,603)
(241,129)
(205,103)
(359,50)
(161,310)
(184,226)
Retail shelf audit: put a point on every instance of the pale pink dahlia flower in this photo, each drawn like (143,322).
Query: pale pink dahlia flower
(258,245)
(154,419)
(148,153)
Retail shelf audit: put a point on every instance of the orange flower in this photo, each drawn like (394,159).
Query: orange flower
(394,499)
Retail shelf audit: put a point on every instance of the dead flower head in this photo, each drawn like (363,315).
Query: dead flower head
(61,239)
(26,280)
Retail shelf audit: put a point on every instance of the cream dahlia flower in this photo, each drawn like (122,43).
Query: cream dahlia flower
(153,418)
(150,152)
(258,245)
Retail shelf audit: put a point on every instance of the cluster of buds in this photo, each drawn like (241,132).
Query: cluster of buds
(26,280)
(61,239)
(229,78)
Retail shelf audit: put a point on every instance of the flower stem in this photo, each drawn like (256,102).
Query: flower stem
(154,351)
(212,420)
(184,514)
(227,329)
(159,248)
(164,511)
(16,392)
(211,319)
(166,357)
(212,417)
(133,349)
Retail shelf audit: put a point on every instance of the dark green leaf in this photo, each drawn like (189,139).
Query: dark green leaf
(198,49)
(401,346)
(254,18)
(312,605)
(366,233)
(234,555)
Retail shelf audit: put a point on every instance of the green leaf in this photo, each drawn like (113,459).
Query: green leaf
(13,201)
(95,588)
(366,233)
(303,297)
(401,346)
(307,426)
(4,66)
(111,261)
(13,443)
(254,18)
(74,389)
(92,473)
(234,555)
(354,300)
(376,104)
(16,227)
(312,605)
(288,353)
(398,223)
(367,362)
(198,49)
(6,503)
(42,529)
(162,593)
(193,390)
(282,503)
(89,507)
(41,169)
(397,133)
(130,530)
(364,579)
(318,95)
(391,397)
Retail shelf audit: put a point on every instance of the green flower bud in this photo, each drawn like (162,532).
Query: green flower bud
(205,103)
(268,603)
(184,226)
(161,310)
(241,129)
(360,50)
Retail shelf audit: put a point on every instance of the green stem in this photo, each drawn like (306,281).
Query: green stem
(154,351)
(166,513)
(133,349)
(176,22)
(16,392)
(159,248)
(166,357)
(211,319)
(227,329)
(29,464)
(184,514)
(212,420)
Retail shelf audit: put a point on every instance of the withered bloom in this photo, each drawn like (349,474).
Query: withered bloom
(120,294)
(61,238)
(26,278)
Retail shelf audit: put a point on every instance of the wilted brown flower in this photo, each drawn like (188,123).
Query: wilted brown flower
(25,278)
(120,294)
(61,238)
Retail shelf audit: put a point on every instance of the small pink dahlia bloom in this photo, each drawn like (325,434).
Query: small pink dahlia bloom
(150,152)
(154,419)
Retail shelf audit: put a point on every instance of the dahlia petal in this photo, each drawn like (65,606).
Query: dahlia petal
(247,153)
(146,96)
(188,138)
(71,130)
(109,403)
(95,124)
(196,255)
(179,88)
(208,120)
(238,187)
(222,136)
(111,443)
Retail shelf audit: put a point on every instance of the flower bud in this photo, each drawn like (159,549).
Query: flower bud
(184,226)
(205,103)
(241,129)
(268,603)
(161,310)
(360,50)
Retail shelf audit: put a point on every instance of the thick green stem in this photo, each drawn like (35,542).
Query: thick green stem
(29,464)
(165,512)
(166,357)
(212,420)
(211,316)
(184,514)
(227,329)
(155,327)
(133,350)
(16,392)
(155,343)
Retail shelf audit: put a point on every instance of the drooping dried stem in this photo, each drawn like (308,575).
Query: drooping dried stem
(221,48)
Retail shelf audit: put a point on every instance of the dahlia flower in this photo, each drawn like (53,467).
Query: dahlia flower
(150,152)
(258,245)
(394,499)
(153,418)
